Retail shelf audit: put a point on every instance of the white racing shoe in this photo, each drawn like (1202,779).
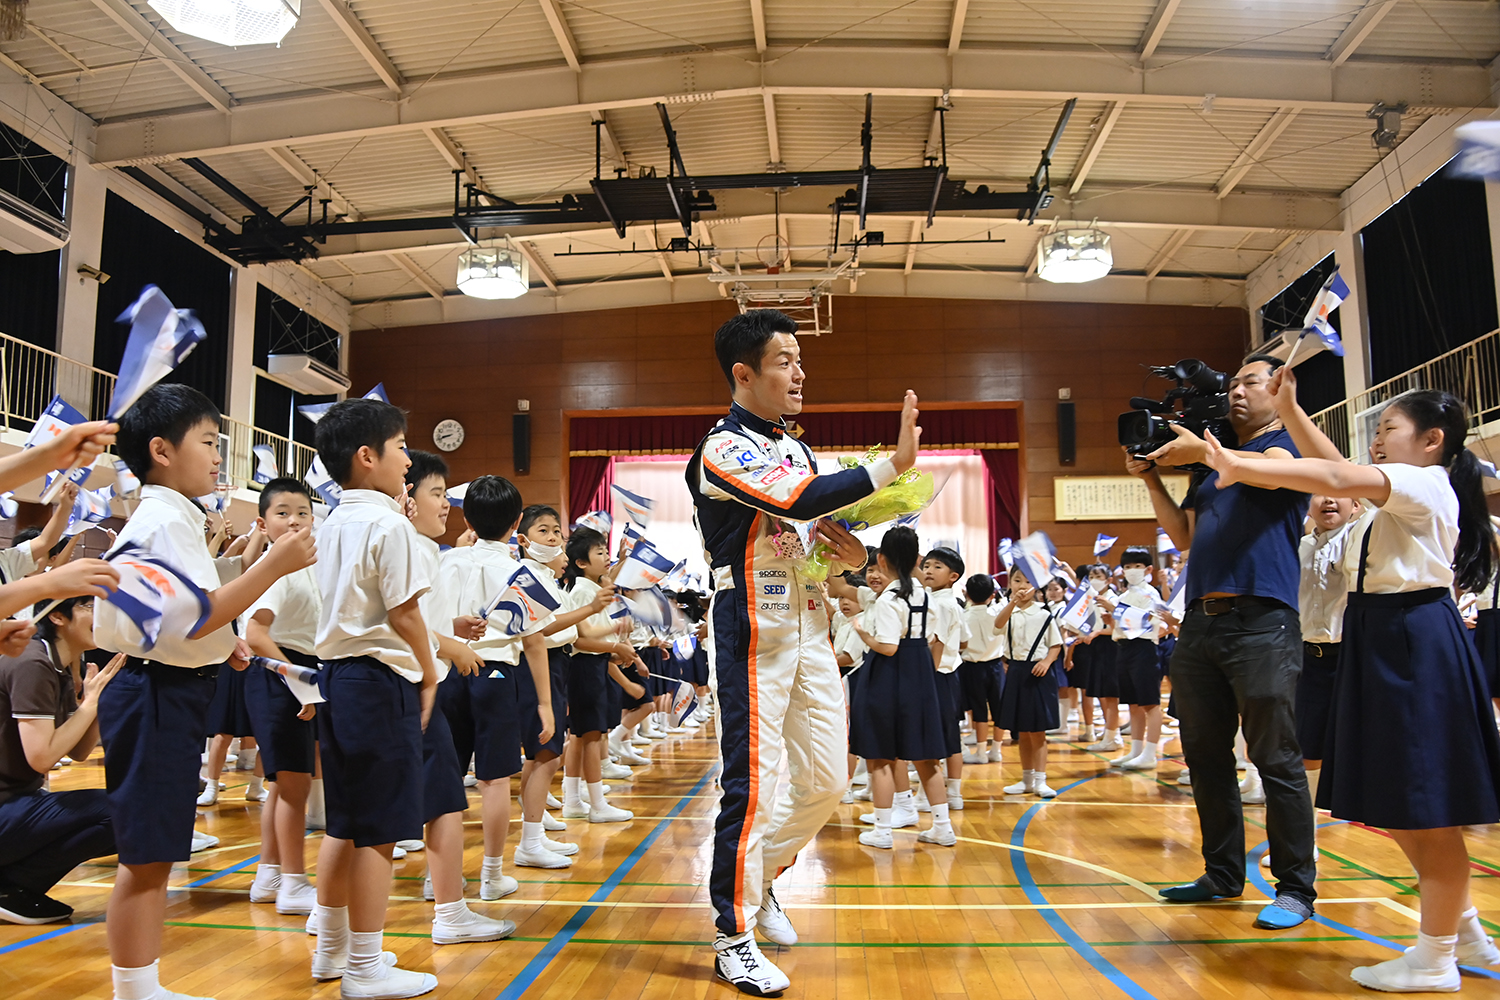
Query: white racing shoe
(742,965)
(772,922)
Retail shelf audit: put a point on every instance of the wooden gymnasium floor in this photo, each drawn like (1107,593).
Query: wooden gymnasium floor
(1037,900)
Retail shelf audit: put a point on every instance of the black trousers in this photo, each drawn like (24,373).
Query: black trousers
(1241,668)
(45,835)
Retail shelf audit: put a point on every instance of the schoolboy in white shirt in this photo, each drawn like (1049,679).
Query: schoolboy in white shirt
(980,673)
(379,677)
(941,569)
(153,715)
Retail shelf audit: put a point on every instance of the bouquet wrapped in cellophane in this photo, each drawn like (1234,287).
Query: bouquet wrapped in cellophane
(908,495)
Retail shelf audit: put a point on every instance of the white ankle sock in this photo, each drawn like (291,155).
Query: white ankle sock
(1312,791)
(1469,927)
(572,788)
(531,836)
(490,868)
(1111,736)
(364,955)
(619,734)
(269,871)
(904,800)
(136,984)
(1136,746)
(939,813)
(955,786)
(596,795)
(333,932)
(882,818)
(1147,753)
(1433,951)
(316,812)
(451,913)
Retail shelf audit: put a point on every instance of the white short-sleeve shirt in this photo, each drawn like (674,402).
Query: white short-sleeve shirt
(1140,595)
(893,618)
(369,561)
(985,643)
(949,628)
(17,561)
(469,580)
(167,526)
(1323,590)
(1026,626)
(1412,537)
(296,602)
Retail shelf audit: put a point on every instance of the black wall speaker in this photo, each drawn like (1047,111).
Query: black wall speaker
(1067,434)
(520,440)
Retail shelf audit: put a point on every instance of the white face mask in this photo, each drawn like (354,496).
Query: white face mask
(1098,585)
(1135,575)
(543,554)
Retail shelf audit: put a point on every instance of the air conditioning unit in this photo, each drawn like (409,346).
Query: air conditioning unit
(24,228)
(306,375)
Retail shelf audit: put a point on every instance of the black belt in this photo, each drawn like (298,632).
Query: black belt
(155,666)
(1213,606)
(1321,648)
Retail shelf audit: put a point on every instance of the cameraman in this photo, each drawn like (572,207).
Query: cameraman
(1240,650)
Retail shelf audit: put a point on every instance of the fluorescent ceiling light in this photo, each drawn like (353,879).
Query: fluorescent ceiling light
(493,273)
(1069,256)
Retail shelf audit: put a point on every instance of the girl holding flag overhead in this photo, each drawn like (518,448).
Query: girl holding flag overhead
(1411,744)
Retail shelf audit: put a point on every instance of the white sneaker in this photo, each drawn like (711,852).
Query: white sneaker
(263,890)
(1125,760)
(1141,763)
(203,841)
(1087,735)
(1105,745)
(575,810)
(616,772)
(474,928)
(995,756)
(209,795)
(1253,796)
(312,925)
(427,893)
(1184,778)
(1400,976)
(296,897)
(394,984)
(255,791)
(969,739)
(976,757)
(848,797)
(864,794)
(491,889)
(606,813)
(629,756)
(923,806)
(1019,788)
(942,836)
(470,781)
(552,802)
(772,922)
(397,853)
(1481,952)
(899,820)
(744,967)
(410,845)
(552,824)
(558,847)
(955,803)
(1042,788)
(246,760)
(1060,731)
(878,837)
(639,740)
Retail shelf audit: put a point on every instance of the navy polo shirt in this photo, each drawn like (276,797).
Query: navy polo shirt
(1245,538)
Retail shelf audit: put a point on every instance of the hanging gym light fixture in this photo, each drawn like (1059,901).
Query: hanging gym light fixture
(1070,256)
(493,272)
(232,22)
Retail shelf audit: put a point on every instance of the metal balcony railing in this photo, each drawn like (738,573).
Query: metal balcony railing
(1470,372)
(30,376)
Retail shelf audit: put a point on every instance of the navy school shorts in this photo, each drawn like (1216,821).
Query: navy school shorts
(370,736)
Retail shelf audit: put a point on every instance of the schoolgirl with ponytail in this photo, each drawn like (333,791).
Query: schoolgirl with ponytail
(1411,744)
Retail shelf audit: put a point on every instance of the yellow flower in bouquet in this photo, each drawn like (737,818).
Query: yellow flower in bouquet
(909,494)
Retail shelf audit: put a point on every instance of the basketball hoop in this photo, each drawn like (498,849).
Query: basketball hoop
(774,253)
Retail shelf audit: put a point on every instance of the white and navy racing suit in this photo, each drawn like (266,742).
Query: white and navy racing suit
(771,662)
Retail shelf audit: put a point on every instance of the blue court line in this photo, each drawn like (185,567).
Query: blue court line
(534,968)
(1252,869)
(1091,955)
(220,874)
(59,932)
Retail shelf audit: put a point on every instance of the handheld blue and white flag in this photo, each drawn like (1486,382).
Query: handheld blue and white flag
(630,536)
(126,482)
(1034,555)
(599,520)
(1103,543)
(265,463)
(1177,602)
(1333,292)
(216,502)
(314,411)
(684,646)
(522,605)
(301,681)
(636,507)
(1132,623)
(644,568)
(684,701)
(677,579)
(8,506)
(456,495)
(55,419)
(154,596)
(1078,611)
(322,483)
(1006,551)
(1487,469)
(649,606)
(1164,544)
(1478,151)
(89,507)
(161,336)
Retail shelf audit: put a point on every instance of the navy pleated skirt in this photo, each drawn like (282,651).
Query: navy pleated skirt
(1411,740)
(896,712)
(1028,703)
(1104,670)
(1486,636)
(227,712)
(1083,654)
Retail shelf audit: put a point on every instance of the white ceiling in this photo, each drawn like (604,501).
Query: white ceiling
(1207,133)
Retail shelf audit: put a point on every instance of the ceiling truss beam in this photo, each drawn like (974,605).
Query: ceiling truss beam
(1255,150)
(564,35)
(1168,251)
(452,155)
(1095,145)
(956,25)
(308,177)
(1352,37)
(364,43)
(146,35)
(539,266)
(758,20)
(422,278)
(773,134)
(1156,28)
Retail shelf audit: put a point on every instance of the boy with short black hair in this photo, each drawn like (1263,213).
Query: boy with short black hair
(1136,661)
(471,579)
(981,675)
(153,715)
(283,625)
(941,569)
(379,677)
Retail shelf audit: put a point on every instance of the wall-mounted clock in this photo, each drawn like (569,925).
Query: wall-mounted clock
(448,435)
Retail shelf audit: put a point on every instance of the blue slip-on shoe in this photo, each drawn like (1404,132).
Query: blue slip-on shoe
(1284,913)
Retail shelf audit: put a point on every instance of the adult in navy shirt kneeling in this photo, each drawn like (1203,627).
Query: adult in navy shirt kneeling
(44,835)
(1240,651)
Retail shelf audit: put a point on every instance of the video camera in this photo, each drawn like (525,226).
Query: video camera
(1200,402)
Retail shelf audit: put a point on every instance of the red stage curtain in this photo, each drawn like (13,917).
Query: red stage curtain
(1003,499)
(589,479)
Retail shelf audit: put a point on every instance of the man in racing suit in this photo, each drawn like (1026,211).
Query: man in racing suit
(771,661)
